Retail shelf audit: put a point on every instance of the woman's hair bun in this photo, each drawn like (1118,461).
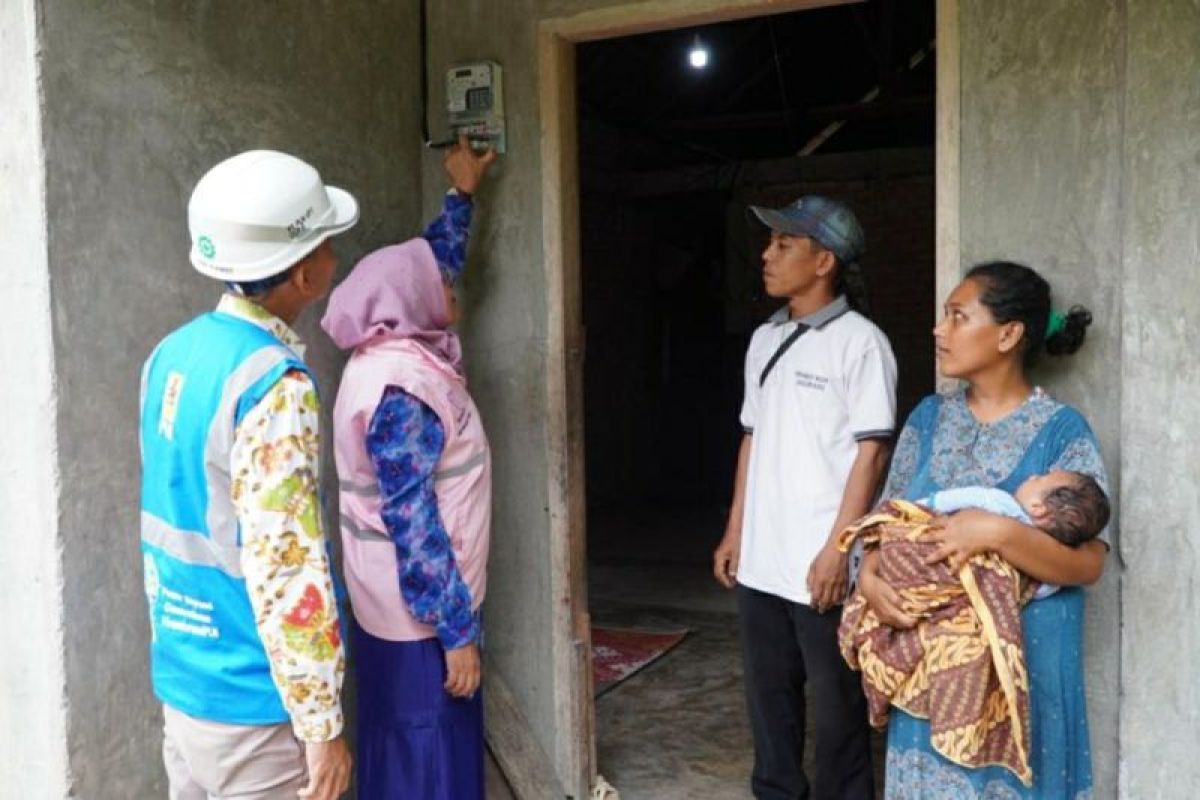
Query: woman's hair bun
(1070,338)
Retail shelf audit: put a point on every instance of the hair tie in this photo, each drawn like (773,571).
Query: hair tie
(1056,323)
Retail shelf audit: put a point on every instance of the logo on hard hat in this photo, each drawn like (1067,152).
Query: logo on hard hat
(205,246)
(300,226)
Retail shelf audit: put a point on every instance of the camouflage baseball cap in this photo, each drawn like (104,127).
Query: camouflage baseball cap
(829,222)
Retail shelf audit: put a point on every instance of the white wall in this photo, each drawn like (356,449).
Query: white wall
(33,759)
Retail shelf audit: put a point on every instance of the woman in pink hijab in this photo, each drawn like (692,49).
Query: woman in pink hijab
(414,472)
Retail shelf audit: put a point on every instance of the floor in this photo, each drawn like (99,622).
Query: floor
(495,785)
(678,728)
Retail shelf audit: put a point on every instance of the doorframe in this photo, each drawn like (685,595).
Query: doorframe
(574,705)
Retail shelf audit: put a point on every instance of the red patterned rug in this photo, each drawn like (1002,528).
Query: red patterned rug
(618,653)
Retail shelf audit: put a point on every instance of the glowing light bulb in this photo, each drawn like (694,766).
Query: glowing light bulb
(698,55)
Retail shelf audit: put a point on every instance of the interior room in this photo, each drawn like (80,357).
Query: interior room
(679,132)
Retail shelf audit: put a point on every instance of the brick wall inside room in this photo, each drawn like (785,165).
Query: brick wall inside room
(672,293)
(662,372)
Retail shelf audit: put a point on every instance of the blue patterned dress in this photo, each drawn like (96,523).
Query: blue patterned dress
(943,446)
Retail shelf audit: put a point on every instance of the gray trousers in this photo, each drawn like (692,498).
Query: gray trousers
(208,760)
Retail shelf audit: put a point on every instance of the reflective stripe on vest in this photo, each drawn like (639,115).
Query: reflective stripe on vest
(365,534)
(191,547)
(372,489)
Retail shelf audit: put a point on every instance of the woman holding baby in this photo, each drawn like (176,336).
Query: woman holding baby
(998,431)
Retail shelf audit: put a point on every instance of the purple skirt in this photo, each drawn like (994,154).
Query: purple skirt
(415,742)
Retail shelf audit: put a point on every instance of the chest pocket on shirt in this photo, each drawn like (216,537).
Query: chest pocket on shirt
(821,400)
(811,381)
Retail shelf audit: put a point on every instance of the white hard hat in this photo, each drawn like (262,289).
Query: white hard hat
(256,214)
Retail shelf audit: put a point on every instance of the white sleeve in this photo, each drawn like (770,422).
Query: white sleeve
(749,415)
(871,392)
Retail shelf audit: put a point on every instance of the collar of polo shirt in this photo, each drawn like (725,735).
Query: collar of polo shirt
(819,318)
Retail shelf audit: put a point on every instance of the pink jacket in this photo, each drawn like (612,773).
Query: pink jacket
(463,481)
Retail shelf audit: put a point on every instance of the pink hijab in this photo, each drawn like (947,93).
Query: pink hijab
(394,292)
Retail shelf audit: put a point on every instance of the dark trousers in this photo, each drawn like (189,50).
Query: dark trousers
(784,646)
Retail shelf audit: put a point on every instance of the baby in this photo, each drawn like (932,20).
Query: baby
(962,666)
(1070,506)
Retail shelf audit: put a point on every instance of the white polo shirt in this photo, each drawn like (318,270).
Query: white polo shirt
(835,386)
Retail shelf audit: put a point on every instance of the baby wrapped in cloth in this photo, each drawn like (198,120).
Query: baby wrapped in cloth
(962,666)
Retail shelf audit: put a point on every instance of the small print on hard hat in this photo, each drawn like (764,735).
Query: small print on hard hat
(297,228)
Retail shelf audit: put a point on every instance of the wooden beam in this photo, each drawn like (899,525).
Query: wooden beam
(817,141)
(629,19)
(573,704)
(525,765)
(947,205)
(846,112)
(872,164)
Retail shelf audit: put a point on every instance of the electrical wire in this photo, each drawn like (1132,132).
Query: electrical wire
(423,27)
(783,97)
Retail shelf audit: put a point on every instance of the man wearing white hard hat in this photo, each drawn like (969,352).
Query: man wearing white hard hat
(246,650)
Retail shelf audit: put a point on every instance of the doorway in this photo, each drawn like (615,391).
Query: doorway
(656,262)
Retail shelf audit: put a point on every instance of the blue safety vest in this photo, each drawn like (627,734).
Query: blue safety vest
(206,657)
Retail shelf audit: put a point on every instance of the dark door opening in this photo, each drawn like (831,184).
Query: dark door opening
(836,101)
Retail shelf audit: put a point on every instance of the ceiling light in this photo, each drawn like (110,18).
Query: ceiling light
(698,55)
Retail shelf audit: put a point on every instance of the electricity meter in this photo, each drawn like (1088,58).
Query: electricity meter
(475,104)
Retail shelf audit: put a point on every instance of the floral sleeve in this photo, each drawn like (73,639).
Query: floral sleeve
(405,441)
(447,235)
(284,557)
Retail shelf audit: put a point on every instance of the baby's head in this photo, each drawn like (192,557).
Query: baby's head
(1070,506)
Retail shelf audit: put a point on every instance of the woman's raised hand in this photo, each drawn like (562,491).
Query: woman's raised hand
(465,167)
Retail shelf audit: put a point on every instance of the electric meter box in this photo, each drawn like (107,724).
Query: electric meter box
(475,104)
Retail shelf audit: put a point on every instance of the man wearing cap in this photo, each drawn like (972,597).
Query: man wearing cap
(818,415)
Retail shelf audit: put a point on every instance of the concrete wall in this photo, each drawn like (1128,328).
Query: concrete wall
(503,298)
(1042,124)
(1080,155)
(140,99)
(33,760)
(1160,227)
